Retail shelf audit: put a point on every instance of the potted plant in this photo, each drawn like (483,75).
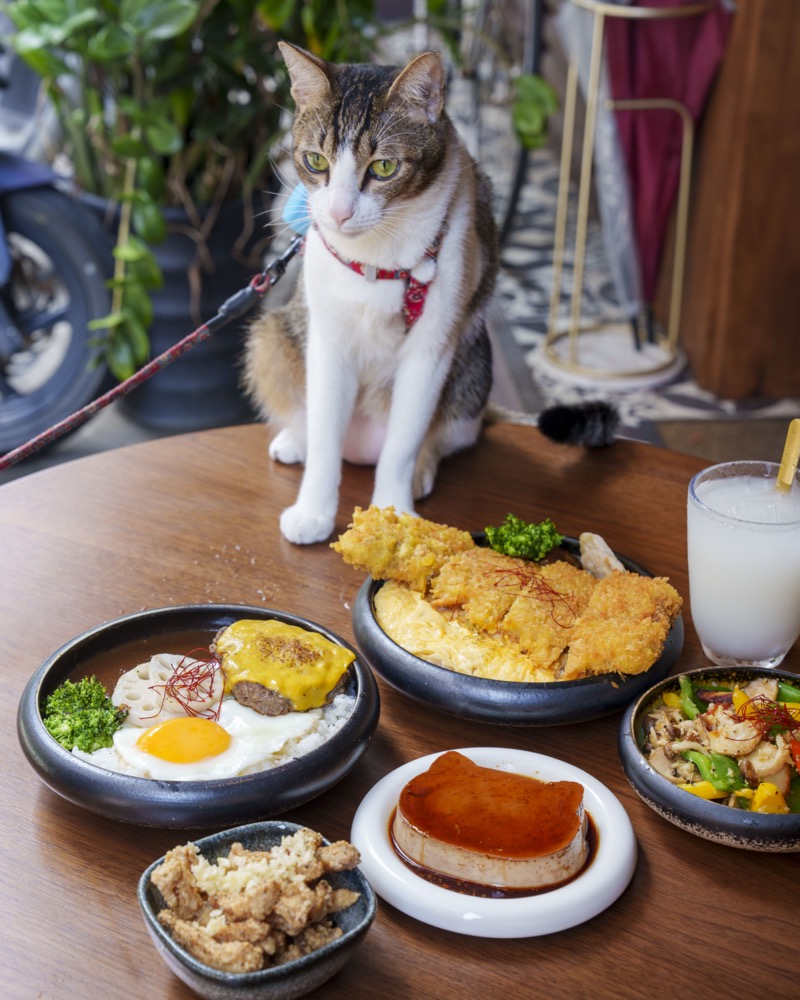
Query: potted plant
(170,112)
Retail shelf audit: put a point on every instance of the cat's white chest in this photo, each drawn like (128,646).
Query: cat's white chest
(346,305)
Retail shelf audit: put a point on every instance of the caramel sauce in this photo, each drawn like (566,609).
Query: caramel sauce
(493,812)
(494,891)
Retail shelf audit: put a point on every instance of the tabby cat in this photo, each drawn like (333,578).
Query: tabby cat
(382,355)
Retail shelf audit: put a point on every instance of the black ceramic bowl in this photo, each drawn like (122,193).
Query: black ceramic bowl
(709,820)
(507,703)
(284,982)
(122,643)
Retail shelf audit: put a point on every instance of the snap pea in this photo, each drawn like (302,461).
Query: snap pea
(788,692)
(691,706)
(722,771)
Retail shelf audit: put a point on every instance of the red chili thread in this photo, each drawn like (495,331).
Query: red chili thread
(768,717)
(192,680)
(525,583)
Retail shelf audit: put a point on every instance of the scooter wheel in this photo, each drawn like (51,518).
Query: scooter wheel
(57,285)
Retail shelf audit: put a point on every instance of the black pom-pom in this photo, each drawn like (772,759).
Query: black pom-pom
(592,424)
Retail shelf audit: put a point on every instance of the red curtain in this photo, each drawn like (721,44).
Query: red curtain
(674,58)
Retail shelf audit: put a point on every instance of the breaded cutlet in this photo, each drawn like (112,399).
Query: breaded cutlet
(393,546)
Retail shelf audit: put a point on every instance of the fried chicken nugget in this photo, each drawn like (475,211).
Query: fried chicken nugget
(392,546)
(174,880)
(624,627)
(227,956)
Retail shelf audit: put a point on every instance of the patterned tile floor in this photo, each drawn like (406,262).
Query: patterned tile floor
(524,302)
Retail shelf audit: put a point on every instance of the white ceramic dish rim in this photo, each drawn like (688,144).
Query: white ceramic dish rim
(574,903)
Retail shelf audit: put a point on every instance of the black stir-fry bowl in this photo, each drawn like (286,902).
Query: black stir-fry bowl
(704,818)
(508,703)
(195,803)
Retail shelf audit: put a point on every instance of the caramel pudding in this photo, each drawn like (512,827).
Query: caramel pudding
(489,827)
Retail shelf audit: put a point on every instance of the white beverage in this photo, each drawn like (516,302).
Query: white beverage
(744,565)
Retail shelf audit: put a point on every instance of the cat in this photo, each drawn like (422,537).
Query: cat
(382,355)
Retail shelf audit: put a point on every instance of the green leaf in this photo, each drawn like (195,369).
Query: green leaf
(157,20)
(137,302)
(533,89)
(45,63)
(119,356)
(275,13)
(163,137)
(147,272)
(126,145)
(106,322)
(131,251)
(534,101)
(148,220)
(110,44)
(150,177)
(138,339)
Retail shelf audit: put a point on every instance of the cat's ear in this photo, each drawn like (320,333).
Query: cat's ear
(310,83)
(421,86)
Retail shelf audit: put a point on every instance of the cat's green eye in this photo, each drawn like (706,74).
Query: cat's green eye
(383,169)
(316,162)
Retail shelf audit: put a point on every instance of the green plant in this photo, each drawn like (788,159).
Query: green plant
(173,103)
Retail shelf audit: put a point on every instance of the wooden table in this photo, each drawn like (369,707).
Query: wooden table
(194,519)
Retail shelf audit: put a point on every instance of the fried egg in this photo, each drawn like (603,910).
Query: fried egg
(189,748)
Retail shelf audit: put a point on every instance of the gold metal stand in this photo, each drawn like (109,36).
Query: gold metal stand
(667,352)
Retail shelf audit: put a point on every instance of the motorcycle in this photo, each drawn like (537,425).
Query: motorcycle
(54,263)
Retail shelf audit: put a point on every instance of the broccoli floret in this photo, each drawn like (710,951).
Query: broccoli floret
(515,537)
(81,714)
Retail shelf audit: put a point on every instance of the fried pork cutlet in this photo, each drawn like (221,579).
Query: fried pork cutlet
(534,607)
(392,546)
(624,626)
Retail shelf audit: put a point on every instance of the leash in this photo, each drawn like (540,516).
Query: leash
(237,305)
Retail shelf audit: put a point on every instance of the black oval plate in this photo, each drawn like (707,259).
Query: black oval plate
(507,703)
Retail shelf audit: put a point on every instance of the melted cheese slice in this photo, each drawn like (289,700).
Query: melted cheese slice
(302,666)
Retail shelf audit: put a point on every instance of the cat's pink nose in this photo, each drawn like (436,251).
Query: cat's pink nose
(341,213)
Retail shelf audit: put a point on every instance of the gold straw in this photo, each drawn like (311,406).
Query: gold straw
(791,455)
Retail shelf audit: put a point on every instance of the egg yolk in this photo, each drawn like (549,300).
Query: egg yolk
(184,741)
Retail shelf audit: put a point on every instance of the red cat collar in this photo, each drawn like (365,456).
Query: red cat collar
(416,290)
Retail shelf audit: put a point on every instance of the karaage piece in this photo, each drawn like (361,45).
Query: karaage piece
(174,880)
(624,626)
(392,546)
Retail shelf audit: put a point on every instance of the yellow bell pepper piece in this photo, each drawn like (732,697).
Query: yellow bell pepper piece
(704,790)
(740,700)
(671,699)
(767,799)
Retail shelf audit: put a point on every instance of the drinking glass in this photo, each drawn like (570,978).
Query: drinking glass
(743,539)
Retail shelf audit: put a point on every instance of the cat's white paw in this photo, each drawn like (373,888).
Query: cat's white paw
(303,527)
(285,448)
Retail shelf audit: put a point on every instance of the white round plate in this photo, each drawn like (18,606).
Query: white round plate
(590,893)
